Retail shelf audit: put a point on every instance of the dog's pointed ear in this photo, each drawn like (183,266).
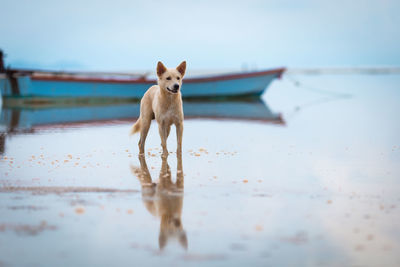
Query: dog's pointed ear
(182,68)
(160,68)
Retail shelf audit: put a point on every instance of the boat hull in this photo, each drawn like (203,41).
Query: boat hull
(253,83)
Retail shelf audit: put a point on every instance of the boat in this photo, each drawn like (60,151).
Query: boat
(39,84)
(23,83)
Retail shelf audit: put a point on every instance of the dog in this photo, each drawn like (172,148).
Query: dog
(162,102)
(164,200)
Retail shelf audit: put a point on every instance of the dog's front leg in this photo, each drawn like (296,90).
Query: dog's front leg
(179,133)
(179,171)
(162,128)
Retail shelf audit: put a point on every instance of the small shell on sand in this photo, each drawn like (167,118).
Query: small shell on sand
(79,210)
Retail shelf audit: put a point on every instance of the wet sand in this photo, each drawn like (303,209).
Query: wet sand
(320,189)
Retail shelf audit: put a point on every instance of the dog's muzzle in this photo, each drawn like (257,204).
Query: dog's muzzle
(174,91)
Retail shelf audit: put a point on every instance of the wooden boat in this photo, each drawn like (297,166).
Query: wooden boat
(19,83)
(43,84)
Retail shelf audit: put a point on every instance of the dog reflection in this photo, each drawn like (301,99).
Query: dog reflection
(164,200)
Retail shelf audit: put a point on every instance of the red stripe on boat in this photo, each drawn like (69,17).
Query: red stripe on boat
(278,72)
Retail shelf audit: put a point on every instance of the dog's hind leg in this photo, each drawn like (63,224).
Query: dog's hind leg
(144,129)
(164,132)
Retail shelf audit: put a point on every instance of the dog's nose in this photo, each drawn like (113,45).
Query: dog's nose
(176,86)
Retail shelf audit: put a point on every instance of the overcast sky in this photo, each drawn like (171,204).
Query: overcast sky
(124,35)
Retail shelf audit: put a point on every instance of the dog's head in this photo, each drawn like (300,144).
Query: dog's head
(171,228)
(170,79)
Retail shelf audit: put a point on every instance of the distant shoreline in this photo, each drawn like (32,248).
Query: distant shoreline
(344,70)
(201,72)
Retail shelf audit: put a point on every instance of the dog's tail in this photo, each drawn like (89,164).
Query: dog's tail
(135,128)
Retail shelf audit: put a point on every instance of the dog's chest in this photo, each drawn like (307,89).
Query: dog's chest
(170,114)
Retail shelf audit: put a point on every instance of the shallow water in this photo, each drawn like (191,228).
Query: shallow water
(318,185)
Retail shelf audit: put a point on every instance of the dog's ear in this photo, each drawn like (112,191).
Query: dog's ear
(182,68)
(160,68)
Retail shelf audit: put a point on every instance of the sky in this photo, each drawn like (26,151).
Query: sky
(130,35)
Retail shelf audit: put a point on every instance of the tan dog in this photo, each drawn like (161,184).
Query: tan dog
(164,200)
(164,103)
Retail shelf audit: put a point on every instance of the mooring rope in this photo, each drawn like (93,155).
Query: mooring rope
(328,96)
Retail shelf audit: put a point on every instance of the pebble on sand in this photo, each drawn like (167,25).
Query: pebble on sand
(79,210)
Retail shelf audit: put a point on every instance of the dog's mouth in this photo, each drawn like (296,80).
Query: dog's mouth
(173,90)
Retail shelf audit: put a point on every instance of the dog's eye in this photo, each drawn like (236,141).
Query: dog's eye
(178,78)
(168,78)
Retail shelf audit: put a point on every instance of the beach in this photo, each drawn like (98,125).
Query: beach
(315,182)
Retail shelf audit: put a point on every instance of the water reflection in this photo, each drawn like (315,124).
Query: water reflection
(164,199)
(28,118)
